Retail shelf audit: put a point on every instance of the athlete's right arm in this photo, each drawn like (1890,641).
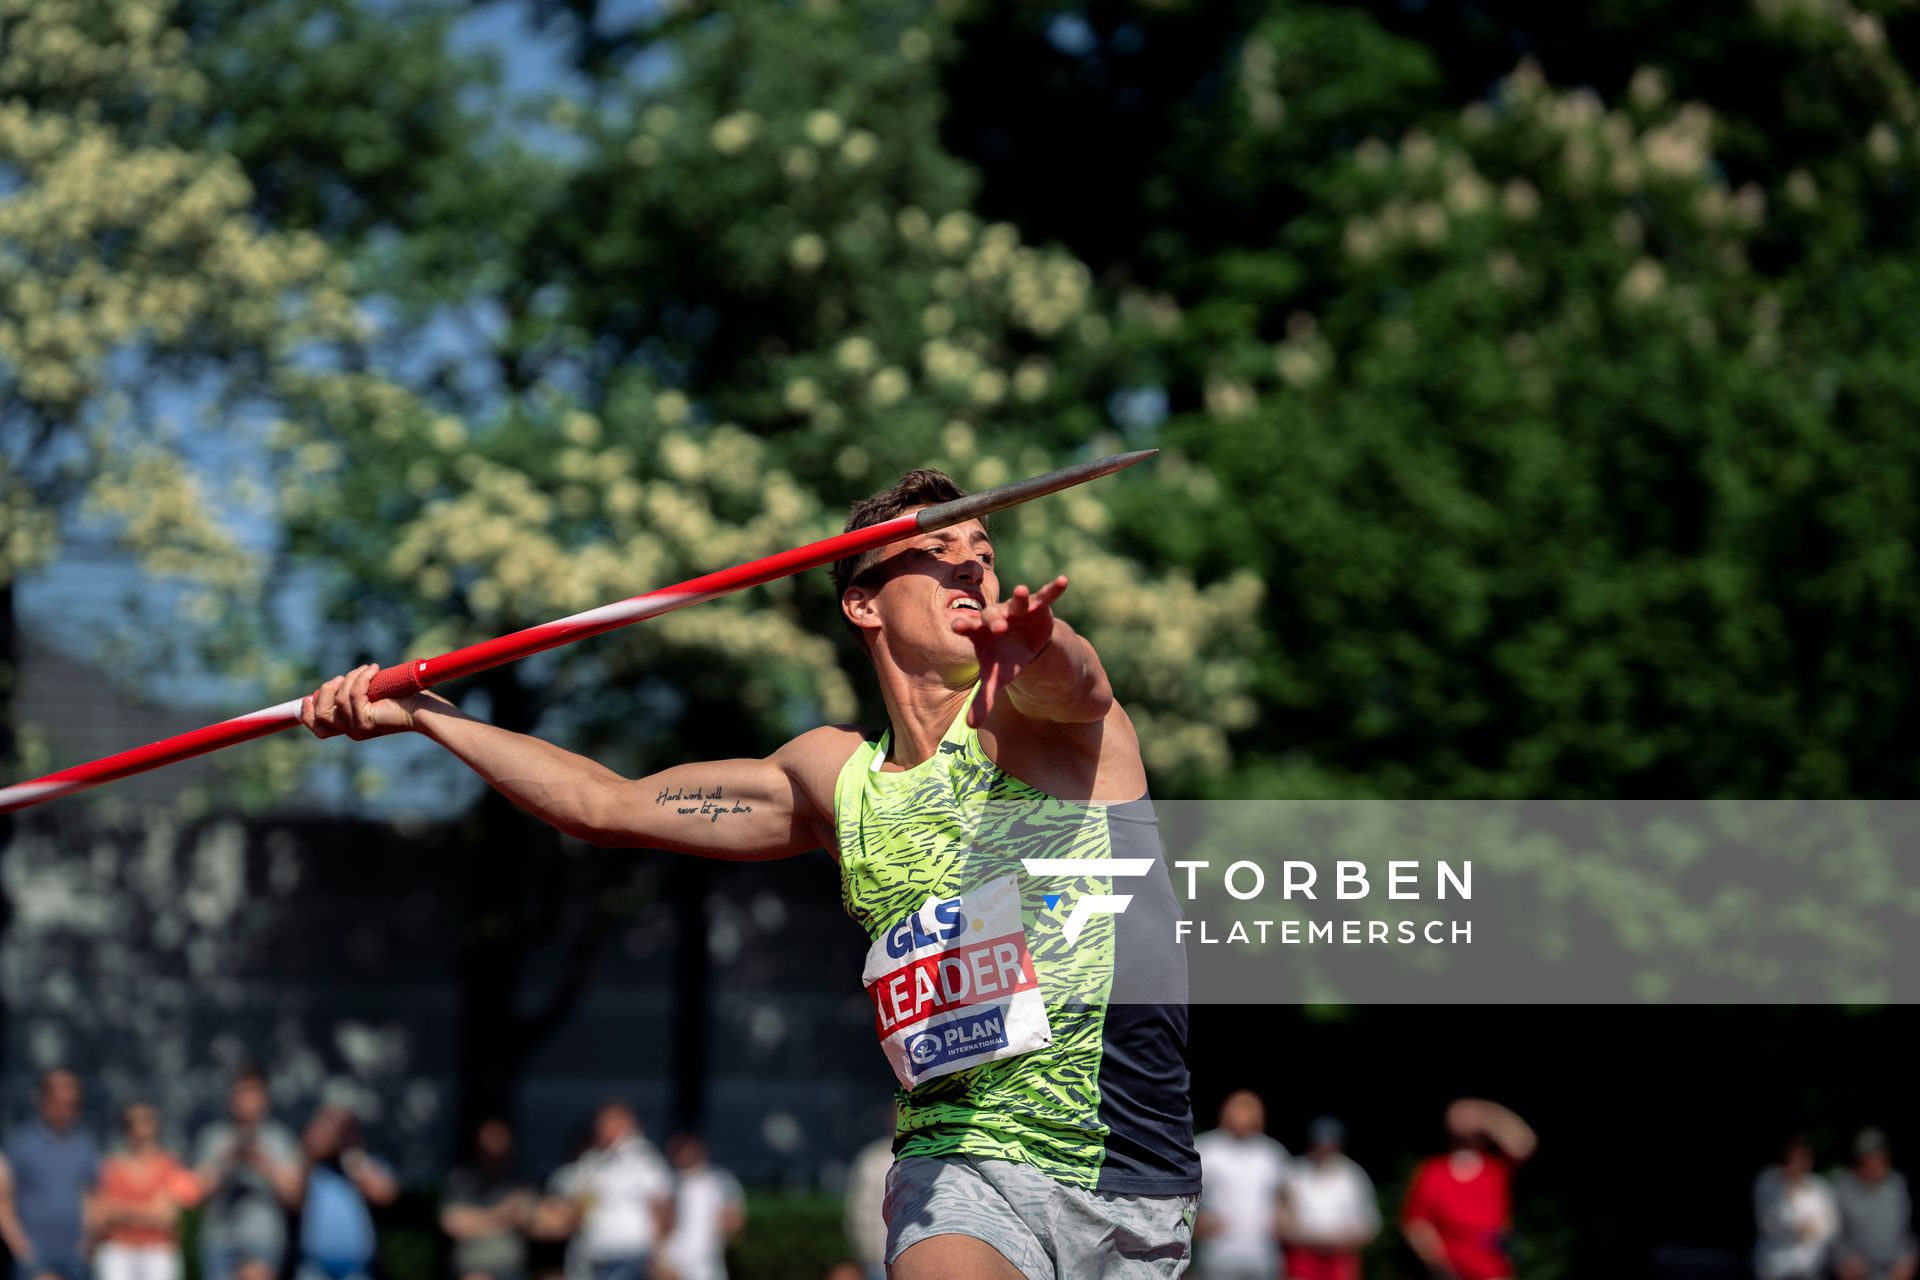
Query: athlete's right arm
(742,809)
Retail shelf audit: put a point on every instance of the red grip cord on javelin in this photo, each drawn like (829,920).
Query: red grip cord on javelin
(396,682)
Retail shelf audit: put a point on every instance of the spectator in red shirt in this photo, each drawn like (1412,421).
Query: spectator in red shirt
(1460,1206)
(136,1208)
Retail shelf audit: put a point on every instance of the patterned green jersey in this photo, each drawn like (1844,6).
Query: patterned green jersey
(1001,1031)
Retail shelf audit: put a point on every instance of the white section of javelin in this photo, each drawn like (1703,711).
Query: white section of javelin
(633,609)
(26,792)
(1074,868)
(21,792)
(289,710)
(629,610)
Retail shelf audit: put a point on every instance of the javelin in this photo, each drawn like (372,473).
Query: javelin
(421,673)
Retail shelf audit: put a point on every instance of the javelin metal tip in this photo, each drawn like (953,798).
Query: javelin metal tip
(975,505)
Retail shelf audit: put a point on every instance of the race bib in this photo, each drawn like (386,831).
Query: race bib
(953,985)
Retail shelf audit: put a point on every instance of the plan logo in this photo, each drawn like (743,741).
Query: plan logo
(924,1048)
(1091,904)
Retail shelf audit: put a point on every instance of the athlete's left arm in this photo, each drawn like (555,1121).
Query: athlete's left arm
(1045,668)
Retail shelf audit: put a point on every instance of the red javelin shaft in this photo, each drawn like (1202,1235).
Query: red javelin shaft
(422,673)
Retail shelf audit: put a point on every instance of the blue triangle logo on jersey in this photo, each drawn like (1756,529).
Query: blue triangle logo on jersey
(1053,900)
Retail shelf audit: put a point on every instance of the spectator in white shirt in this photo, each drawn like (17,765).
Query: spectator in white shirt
(708,1212)
(1796,1216)
(621,1200)
(866,1225)
(1242,1171)
(1329,1212)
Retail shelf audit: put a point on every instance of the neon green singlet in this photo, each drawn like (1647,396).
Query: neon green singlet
(1104,1103)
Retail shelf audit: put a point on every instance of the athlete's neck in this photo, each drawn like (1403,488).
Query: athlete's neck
(920,712)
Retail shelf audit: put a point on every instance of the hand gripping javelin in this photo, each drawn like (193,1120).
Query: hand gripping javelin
(422,673)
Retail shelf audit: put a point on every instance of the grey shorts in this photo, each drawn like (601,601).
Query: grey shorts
(1050,1231)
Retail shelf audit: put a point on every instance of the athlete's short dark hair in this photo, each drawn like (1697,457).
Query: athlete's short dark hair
(918,488)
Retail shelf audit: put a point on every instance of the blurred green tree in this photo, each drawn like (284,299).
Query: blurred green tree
(135,288)
(132,266)
(1562,406)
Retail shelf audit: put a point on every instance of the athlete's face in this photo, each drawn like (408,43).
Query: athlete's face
(913,592)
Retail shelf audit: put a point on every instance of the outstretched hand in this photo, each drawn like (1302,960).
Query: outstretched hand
(1007,638)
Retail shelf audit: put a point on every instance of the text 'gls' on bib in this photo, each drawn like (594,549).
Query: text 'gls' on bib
(953,985)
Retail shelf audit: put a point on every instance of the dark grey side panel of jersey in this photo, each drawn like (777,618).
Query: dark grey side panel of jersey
(1144,1079)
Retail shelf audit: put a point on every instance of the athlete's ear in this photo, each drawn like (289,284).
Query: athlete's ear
(858,604)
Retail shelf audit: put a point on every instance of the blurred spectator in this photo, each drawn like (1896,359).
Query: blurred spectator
(136,1211)
(344,1185)
(865,1212)
(1459,1210)
(708,1212)
(550,1231)
(1797,1218)
(621,1197)
(1242,1171)
(51,1167)
(1328,1209)
(10,1231)
(249,1167)
(488,1210)
(1876,1216)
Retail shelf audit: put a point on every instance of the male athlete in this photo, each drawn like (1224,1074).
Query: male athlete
(1044,1126)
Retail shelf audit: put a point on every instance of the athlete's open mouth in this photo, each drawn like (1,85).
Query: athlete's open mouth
(964,602)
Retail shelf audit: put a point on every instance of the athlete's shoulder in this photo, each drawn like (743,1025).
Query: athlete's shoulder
(826,741)
(812,762)
(814,759)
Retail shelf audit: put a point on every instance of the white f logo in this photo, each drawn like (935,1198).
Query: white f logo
(1094,903)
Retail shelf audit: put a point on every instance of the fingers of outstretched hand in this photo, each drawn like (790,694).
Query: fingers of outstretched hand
(990,621)
(1017,607)
(1026,602)
(1000,616)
